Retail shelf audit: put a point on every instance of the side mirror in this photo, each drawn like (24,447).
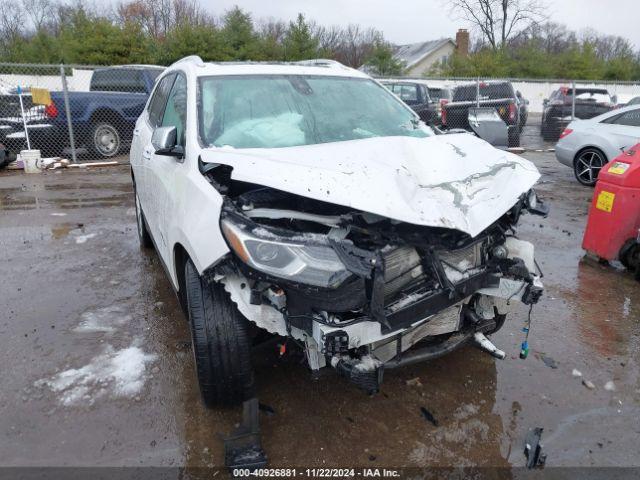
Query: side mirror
(545,101)
(164,141)
(526,102)
(614,99)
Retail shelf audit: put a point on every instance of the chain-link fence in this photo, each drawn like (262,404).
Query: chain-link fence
(74,111)
(516,112)
(87,112)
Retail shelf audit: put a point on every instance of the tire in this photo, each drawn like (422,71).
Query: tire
(105,140)
(587,165)
(143,232)
(513,138)
(630,254)
(221,342)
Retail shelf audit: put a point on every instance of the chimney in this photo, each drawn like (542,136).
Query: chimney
(462,42)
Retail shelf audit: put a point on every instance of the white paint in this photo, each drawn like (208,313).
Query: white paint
(115,373)
(450,181)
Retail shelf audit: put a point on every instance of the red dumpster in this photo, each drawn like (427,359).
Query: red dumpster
(614,215)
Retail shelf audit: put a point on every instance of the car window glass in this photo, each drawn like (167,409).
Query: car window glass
(409,93)
(271,111)
(118,80)
(631,119)
(175,114)
(159,100)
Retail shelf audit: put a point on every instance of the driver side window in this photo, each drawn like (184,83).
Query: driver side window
(175,114)
(159,100)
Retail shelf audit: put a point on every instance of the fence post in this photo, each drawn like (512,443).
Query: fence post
(65,91)
(478,92)
(573,101)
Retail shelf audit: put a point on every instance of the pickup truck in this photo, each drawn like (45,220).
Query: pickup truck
(589,103)
(102,118)
(508,102)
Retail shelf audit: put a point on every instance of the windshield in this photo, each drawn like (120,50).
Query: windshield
(271,111)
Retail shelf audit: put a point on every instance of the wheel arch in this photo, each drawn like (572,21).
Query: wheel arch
(180,258)
(108,115)
(590,147)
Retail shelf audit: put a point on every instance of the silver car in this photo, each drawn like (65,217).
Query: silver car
(587,145)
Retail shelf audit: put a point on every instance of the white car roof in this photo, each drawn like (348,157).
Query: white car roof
(305,67)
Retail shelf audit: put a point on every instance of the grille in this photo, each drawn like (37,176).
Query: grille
(402,267)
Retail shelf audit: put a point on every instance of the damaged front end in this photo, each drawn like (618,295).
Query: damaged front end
(364,292)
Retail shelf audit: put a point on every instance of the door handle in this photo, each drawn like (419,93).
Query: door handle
(146,154)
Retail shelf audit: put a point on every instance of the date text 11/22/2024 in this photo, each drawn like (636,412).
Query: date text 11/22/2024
(316,473)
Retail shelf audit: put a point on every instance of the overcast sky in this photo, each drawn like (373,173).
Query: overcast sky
(410,21)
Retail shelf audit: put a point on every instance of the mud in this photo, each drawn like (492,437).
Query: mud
(81,304)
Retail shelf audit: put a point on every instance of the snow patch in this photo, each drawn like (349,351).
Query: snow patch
(103,320)
(84,238)
(120,373)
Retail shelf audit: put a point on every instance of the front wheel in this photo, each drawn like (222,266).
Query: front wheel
(587,166)
(105,140)
(221,342)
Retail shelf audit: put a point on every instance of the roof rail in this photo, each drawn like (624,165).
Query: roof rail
(320,62)
(190,59)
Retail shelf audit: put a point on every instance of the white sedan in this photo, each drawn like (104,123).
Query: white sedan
(587,145)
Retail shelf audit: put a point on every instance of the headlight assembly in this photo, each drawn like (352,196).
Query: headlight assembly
(315,265)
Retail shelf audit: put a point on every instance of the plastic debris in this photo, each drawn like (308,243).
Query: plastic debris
(549,362)
(428,416)
(610,386)
(533,448)
(414,382)
(589,384)
(576,373)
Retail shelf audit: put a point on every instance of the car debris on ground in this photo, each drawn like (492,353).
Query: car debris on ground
(536,457)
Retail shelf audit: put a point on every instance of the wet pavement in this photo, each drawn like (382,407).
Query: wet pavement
(97,367)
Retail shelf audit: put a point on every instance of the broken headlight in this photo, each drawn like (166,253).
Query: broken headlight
(311,264)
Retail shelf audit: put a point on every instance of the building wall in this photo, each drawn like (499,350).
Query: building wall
(426,63)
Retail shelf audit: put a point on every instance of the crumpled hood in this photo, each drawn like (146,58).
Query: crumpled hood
(451,181)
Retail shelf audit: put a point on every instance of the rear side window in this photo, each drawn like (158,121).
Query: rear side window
(630,119)
(118,80)
(159,100)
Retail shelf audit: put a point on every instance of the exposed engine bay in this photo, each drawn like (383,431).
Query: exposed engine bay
(357,289)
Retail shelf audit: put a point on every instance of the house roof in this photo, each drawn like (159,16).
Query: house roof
(415,52)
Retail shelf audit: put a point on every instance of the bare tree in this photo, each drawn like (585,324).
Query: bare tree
(498,21)
(11,21)
(40,12)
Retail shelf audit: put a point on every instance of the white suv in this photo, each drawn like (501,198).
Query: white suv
(306,200)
